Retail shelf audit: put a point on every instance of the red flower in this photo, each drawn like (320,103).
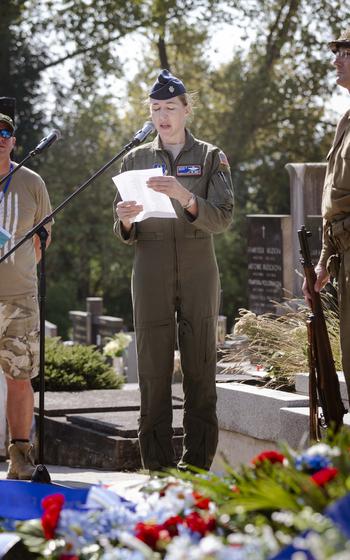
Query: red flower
(69,557)
(270,456)
(171,525)
(52,506)
(324,475)
(200,501)
(198,524)
(149,534)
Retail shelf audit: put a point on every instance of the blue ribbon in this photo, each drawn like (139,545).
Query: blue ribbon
(288,552)
(22,500)
(339,513)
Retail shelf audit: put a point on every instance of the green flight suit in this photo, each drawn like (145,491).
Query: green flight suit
(175,290)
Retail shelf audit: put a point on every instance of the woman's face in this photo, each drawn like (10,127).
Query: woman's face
(169,117)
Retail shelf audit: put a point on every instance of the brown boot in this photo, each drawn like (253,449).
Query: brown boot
(21,465)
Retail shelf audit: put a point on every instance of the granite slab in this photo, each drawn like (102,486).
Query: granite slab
(120,423)
(104,400)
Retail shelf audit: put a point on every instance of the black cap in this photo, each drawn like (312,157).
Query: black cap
(167,86)
(8,107)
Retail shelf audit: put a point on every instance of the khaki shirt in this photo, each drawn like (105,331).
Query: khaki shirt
(336,190)
(25,204)
(212,186)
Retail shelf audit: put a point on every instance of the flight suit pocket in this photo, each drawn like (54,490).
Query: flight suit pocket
(208,340)
(155,342)
(149,236)
(191,232)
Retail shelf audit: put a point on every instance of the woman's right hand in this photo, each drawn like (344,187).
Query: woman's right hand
(127,210)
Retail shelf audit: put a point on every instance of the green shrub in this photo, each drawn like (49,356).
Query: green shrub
(76,368)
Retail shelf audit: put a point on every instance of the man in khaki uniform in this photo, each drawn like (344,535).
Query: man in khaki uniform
(335,255)
(175,280)
(23,203)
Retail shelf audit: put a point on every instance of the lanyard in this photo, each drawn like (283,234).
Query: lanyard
(7,184)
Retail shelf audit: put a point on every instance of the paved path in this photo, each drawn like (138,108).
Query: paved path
(85,477)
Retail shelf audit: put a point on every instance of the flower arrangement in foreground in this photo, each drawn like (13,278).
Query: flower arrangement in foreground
(283,502)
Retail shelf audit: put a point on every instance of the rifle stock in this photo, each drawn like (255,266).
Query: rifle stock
(314,425)
(321,362)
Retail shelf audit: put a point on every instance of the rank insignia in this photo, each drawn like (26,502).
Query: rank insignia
(188,170)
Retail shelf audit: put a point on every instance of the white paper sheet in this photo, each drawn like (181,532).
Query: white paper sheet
(132,186)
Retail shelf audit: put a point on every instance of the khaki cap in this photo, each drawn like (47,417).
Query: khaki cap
(343,41)
(6,119)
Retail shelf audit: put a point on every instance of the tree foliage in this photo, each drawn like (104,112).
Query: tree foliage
(264,107)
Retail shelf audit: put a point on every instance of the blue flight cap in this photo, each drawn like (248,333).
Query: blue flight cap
(167,86)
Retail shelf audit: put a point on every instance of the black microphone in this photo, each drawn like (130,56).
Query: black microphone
(46,142)
(142,134)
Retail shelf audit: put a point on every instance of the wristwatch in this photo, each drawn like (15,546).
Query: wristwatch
(191,202)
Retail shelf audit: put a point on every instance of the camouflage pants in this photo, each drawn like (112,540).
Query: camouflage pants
(19,337)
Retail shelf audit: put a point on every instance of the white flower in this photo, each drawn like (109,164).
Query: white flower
(322,449)
(117,345)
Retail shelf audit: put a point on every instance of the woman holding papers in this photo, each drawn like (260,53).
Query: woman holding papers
(175,280)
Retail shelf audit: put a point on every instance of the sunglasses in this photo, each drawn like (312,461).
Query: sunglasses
(4,133)
(342,53)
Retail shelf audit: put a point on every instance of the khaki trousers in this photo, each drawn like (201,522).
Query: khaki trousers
(344,311)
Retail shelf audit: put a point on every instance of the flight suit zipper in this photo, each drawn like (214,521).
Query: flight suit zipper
(172,225)
(178,281)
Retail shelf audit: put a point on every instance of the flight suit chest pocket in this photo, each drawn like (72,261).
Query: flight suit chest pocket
(149,236)
(196,234)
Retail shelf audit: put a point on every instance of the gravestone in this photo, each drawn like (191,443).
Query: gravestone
(306,186)
(314,226)
(91,327)
(269,262)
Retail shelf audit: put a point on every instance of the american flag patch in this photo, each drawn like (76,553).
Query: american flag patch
(192,170)
(223,159)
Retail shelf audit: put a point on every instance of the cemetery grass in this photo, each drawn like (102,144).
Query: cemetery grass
(277,343)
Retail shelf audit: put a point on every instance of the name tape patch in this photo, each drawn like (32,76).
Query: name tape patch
(188,170)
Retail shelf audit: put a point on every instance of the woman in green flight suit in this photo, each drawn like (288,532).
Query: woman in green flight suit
(175,280)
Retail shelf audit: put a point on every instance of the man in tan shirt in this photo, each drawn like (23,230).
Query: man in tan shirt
(335,255)
(24,202)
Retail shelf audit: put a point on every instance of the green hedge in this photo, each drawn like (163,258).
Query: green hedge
(76,368)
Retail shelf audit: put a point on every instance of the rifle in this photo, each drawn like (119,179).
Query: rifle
(323,378)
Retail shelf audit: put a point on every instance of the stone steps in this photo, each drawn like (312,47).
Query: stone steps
(98,429)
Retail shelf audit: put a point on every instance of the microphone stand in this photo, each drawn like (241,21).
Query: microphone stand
(41,473)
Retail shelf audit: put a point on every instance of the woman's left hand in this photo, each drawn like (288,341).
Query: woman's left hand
(170,186)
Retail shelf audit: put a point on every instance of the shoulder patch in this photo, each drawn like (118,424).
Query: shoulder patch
(223,159)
